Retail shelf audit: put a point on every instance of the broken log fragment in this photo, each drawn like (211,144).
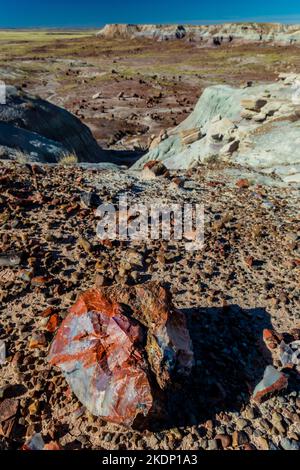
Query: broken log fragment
(117,358)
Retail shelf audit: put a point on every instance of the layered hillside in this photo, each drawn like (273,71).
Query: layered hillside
(216,34)
(255,126)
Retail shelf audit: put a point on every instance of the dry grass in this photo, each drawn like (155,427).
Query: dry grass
(42,35)
(68,159)
(21,157)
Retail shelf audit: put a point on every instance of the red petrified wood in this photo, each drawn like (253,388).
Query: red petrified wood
(115,360)
(98,349)
(272,381)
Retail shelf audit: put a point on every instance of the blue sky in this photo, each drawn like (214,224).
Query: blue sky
(90,13)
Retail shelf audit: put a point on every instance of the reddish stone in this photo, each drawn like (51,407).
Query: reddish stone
(249,447)
(157,168)
(53,323)
(271,338)
(178,181)
(295,332)
(100,280)
(8,410)
(37,170)
(107,243)
(243,183)
(169,347)
(225,440)
(249,261)
(71,210)
(39,281)
(151,164)
(215,184)
(100,349)
(7,426)
(55,202)
(69,393)
(17,358)
(52,446)
(4,180)
(47,312)
(38,340)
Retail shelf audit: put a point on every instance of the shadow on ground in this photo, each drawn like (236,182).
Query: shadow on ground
(124,157)
(229,361)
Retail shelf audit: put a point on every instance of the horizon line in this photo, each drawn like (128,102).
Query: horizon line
(282,19)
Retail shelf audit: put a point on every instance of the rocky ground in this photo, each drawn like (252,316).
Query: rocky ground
(246,278)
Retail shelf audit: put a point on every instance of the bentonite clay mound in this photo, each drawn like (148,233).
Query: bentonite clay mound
(108,352)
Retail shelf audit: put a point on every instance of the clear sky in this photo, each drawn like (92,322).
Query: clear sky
(94,13)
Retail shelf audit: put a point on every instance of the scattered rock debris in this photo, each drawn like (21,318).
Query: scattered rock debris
(226,302)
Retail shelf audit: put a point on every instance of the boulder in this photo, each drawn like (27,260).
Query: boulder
(220,130)
(271,107)
(119,346)
(25,146)
(99,351)
(247,114)
(190,136)
(260,117)
(229,148)
(163,135)
(253,104)
(169,347)
(275,148)
(153,169)
(44,132)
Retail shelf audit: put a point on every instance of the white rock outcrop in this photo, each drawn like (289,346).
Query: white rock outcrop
(213,34)
(255,127)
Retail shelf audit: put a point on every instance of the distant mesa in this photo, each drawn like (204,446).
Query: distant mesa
(150,31)
(213,34)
